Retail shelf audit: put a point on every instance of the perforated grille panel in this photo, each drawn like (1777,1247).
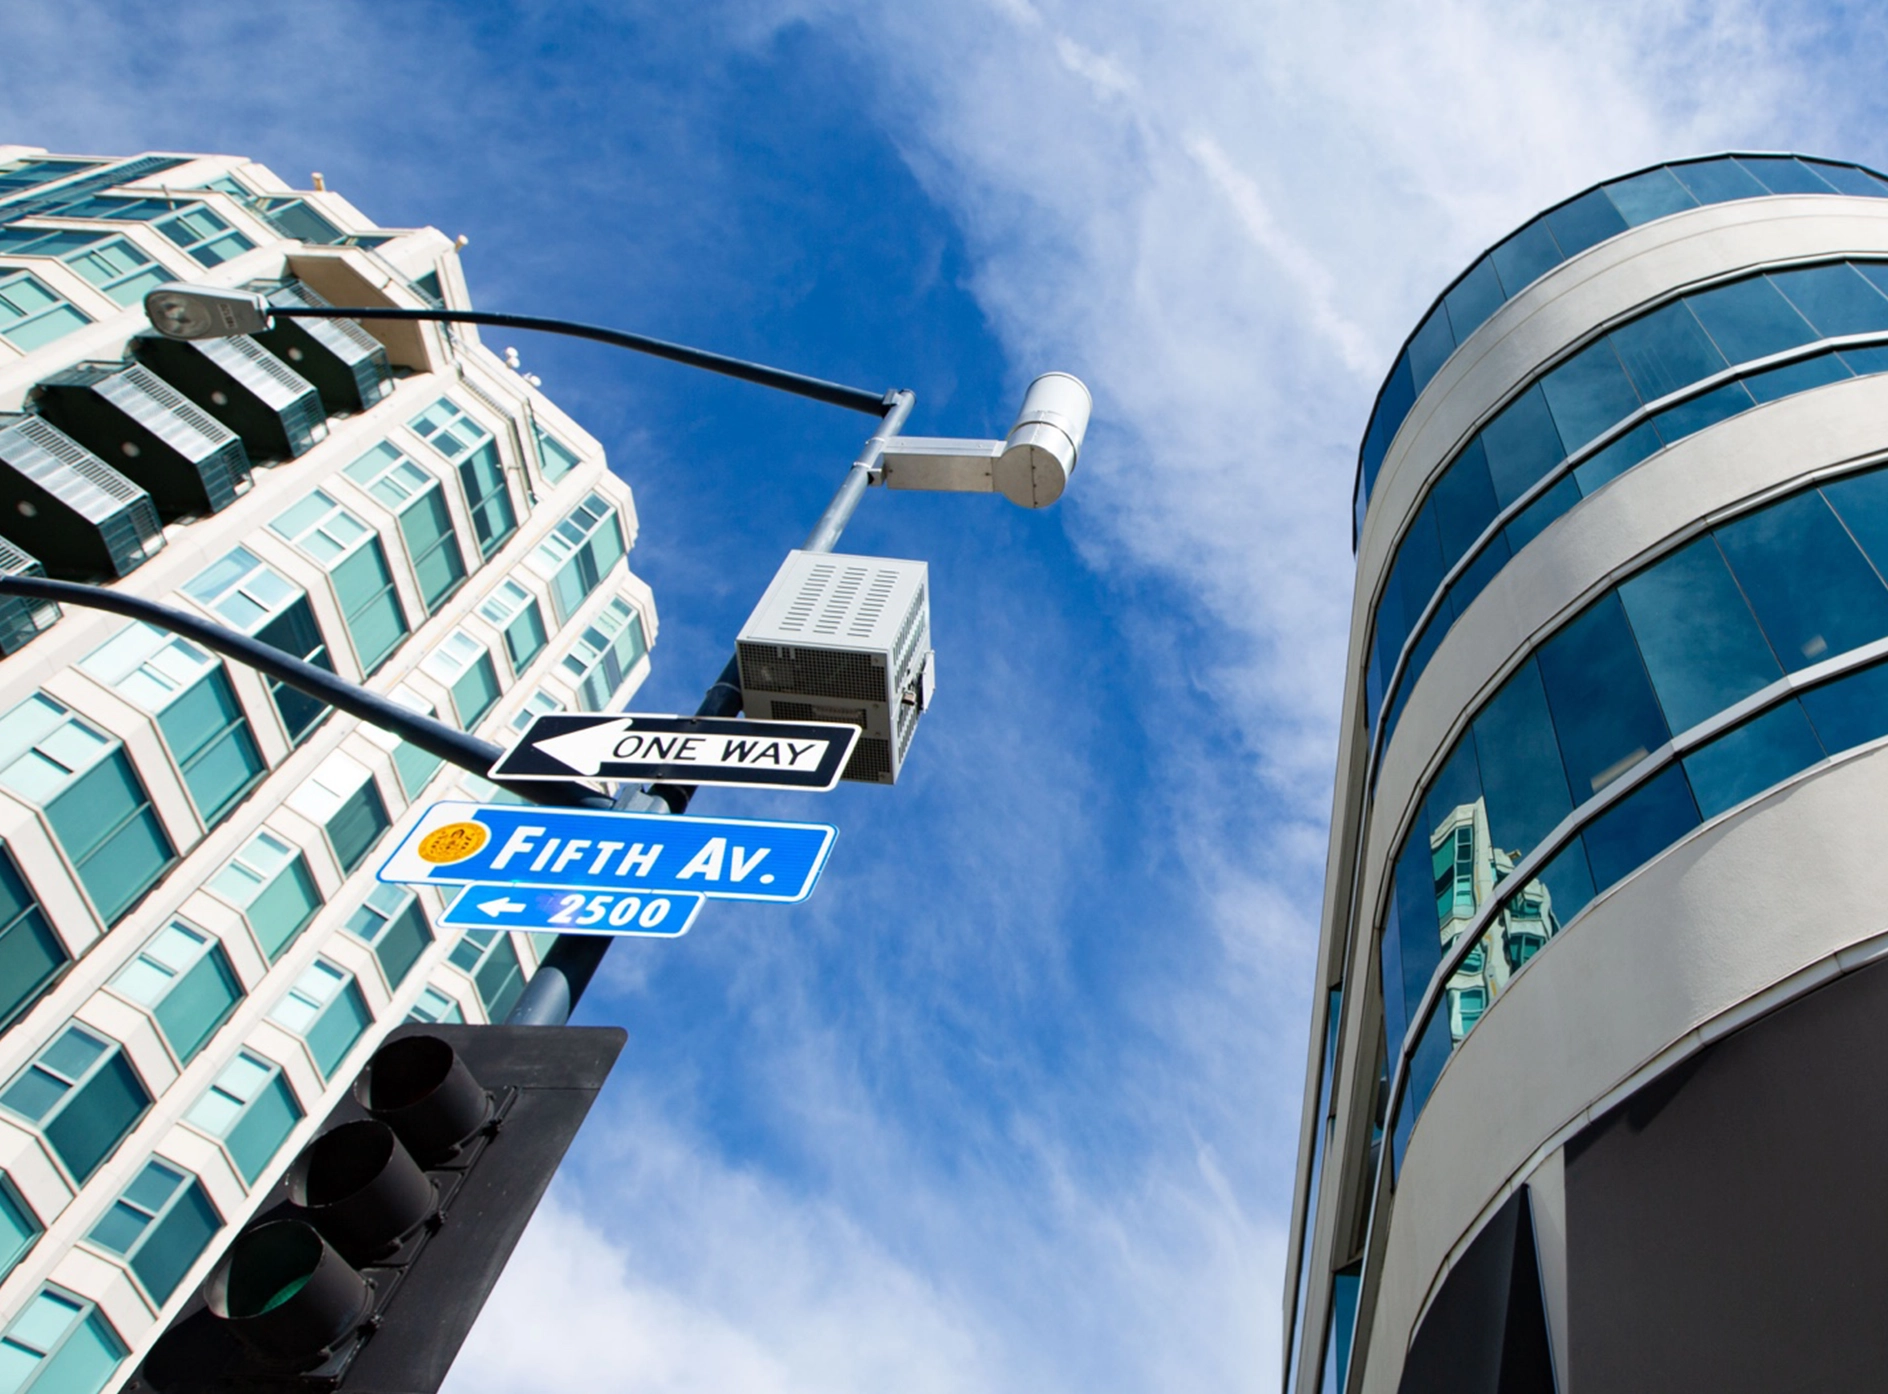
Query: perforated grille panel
(812,672)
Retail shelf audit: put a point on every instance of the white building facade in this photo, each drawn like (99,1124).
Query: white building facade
(1590,1103)
(194,955)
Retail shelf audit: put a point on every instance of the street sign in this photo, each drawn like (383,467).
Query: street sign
(569,849)
(573,912)
(681,749)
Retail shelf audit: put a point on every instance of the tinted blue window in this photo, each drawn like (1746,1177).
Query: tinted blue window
(1876,273)
(1653,194)
(1521,774)
(1465,504)
(1420,936)
(1425,1068)
(1590,219)
(1812,589)
(1698,638)
(1415,576)
(1617,458)
(1765,750)
(1782,175)
(1665,351)
(1852,710)
(1604,712)
(1525,257)
(1476,577)
(1390,970)
(1718,181)
(1475,297)
(1849,180)
(1430,347)
(1399,395)
(1750,319)
(1533,520)
(1569,882)
(1792,378)
(1588,394)
(1836,299)
(1867,360)
(1689,418)
(1457,784)
(1861,502)
(1522,444)
(1640,826)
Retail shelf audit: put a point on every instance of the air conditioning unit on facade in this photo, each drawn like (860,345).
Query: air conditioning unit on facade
(839,638)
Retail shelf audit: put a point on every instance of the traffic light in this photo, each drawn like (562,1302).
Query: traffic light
(367,1266)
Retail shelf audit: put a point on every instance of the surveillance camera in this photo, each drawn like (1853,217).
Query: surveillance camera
(1040,452)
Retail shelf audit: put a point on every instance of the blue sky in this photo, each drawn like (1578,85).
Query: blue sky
(1012,1103)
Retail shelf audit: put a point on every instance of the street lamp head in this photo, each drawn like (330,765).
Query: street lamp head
(1040,452)
(181,311)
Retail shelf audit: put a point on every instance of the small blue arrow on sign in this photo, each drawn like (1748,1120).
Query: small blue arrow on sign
(574,912)
(583,850)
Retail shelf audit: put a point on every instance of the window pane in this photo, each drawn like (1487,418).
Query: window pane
(1718,181)
(264,1126)
(1475,297)
(357,825)
(1750,319)
(283,910)
(1605,715)
(1640,826)
(1836,299)
(339,1026)
(1647,196)
(1765,750)
(19,1227)
(1782,175)
(1585,222)
(1589,393)
(1521,775)
(1861,502)
(1688,418)
(1666,350)
(1792,378)
(1431,345)
(1525,257)
(96,1117)
(1699,640)
(86,1363)
(1465,504)
(1812,589)
(1522,445)
(31,957)
(500,979)
(199,1002)
(1852,710)
(176,1242)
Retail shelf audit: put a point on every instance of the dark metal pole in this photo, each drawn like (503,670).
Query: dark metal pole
(799,384)
(448,743)
(567,967)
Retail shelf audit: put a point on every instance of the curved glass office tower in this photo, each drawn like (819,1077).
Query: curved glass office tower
(1593,1098)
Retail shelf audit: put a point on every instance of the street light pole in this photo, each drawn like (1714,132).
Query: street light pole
(1031,467)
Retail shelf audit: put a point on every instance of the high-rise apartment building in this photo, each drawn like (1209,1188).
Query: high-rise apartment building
(194,955)
(1593,1098)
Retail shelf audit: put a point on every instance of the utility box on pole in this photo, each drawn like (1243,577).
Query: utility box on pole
(843,638)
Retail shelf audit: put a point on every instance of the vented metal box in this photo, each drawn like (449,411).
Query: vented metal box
(80,517)
(840,638)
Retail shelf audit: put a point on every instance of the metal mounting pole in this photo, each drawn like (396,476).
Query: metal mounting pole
(567,967)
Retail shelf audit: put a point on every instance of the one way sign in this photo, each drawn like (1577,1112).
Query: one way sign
(682,750)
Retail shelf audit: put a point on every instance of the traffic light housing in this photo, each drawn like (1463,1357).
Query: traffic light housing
(368,1263)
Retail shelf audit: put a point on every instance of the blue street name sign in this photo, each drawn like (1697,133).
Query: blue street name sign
(574,912)
(581,850)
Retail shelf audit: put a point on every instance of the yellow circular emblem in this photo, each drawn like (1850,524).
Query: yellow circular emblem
(452,843)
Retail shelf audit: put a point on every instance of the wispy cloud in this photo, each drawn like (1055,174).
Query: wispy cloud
(1013,1103)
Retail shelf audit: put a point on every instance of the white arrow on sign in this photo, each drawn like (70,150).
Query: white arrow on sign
(501,906)
(588,750)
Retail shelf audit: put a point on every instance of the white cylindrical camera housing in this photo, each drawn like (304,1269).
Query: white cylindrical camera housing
(1040,452)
